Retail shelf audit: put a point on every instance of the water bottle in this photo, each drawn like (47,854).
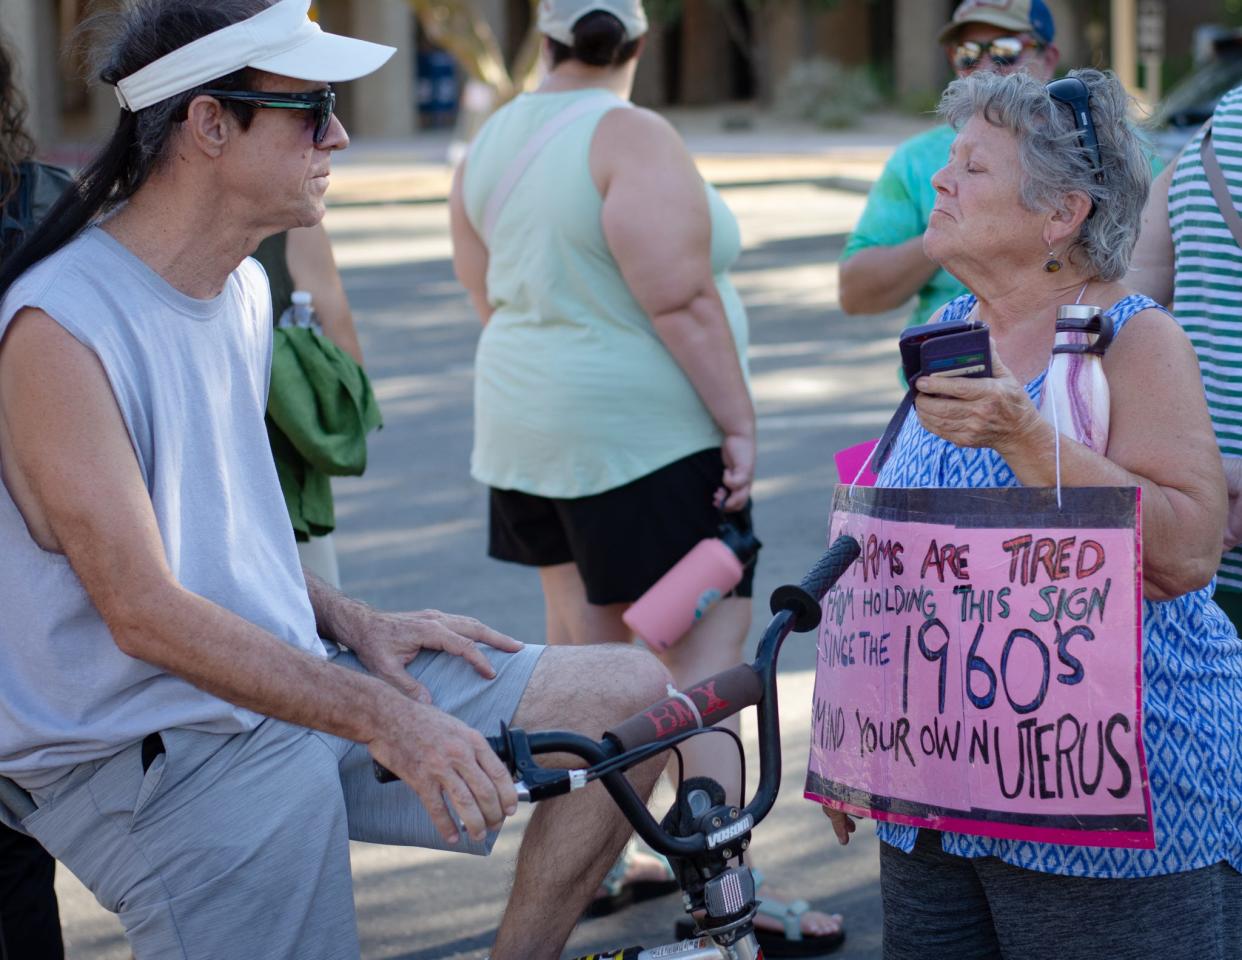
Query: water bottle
(682,597)
(1075,396)
(300,313)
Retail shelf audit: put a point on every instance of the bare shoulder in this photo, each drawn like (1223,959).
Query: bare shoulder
(44,366)
(57,415)
(636,121)
(1151,341)
(636,132)
(1149,328)
(33,334)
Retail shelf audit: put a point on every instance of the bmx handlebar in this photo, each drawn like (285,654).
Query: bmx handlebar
(683,714)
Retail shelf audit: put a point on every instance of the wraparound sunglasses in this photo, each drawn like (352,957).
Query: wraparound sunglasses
(323,102)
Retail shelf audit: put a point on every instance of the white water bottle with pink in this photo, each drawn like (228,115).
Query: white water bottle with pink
(1075,396)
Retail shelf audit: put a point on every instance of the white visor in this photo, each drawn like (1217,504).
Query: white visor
(281,39)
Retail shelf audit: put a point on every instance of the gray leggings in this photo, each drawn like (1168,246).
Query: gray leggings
(938,906)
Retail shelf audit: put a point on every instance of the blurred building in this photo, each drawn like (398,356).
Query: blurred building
(50,41)
(711,51)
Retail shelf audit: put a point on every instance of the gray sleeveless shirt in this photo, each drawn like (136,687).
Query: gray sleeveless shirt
(190,377)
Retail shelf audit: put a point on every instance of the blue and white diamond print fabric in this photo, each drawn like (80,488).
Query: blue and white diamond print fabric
(1192,692)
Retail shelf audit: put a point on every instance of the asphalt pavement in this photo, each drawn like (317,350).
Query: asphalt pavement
(412,531)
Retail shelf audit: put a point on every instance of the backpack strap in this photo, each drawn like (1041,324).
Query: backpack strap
(1220,189)
(531,149)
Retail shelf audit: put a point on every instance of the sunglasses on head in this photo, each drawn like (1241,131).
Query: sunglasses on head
(1074,94)
(323,102)
(1003,52)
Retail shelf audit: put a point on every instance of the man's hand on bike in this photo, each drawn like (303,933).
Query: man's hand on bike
(842,824)
(388,642)
(446,762)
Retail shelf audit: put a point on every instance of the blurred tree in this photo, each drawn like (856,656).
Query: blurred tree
(458,27)
(749,25)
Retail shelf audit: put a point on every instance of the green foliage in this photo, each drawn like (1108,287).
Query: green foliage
(920,104)
(663,11)
(458,27)
(1174,68)
(826,93)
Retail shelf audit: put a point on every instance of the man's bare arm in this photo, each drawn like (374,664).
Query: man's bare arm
(312,265)
(1151,266)
(470,255)
(385,643)
(876,279)
(66,443)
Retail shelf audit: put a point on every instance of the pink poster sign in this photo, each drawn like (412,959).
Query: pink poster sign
(979,665)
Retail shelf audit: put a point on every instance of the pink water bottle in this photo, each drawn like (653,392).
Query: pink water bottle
(680,598)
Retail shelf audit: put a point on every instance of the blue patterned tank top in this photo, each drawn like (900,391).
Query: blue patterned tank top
(1192,692)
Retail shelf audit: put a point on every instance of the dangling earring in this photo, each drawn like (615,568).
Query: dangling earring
(1052,264)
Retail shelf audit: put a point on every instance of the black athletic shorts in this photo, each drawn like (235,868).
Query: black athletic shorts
(622,540)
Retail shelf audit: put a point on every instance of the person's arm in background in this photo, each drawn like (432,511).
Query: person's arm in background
(657,225)
(876,279)
(884,265)
(1151,266)
(469,250)
(308,253)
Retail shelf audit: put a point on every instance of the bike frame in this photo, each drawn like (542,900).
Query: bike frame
(794,608)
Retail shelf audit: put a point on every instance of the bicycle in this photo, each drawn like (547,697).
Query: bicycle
(702,833)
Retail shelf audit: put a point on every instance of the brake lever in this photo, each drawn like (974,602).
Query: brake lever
(532,782)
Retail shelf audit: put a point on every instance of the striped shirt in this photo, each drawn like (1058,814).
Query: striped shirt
(1207,296)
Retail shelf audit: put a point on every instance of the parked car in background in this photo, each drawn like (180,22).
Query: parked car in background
(1190,103)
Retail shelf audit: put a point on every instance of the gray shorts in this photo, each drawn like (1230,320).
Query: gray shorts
(238,846)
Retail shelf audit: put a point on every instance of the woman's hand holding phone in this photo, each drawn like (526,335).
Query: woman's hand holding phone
(977,411)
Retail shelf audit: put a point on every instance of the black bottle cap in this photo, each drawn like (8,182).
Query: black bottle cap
(737,534)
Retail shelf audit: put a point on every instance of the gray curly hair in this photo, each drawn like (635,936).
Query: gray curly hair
(1053,162)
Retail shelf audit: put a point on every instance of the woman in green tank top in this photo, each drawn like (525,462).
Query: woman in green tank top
(613,417)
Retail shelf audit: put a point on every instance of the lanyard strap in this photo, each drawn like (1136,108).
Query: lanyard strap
(532,148)
(885,446)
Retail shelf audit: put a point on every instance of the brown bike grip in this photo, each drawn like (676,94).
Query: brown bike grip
(714,699)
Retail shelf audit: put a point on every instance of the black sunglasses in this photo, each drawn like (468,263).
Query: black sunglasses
(1003,51)
(1074,93)
(321,101)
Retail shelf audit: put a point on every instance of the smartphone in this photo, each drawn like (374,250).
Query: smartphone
(957,349)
